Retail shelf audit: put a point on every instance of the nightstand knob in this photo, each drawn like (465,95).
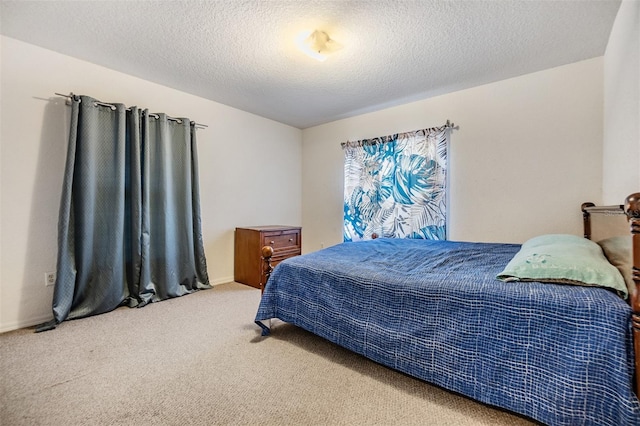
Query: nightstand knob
(272,242)
(290,240)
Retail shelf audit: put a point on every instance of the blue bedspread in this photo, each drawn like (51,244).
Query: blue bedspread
(559,354)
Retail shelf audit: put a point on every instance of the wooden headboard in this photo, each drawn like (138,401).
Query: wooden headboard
(630,210)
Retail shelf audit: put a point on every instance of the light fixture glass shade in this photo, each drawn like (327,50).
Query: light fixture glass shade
(317,44)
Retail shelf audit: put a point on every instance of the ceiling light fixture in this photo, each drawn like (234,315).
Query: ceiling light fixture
(317,44)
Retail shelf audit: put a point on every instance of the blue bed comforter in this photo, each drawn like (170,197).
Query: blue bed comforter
(559,354)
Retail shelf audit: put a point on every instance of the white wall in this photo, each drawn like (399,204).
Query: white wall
(249,168)
(621,152)
(527,154)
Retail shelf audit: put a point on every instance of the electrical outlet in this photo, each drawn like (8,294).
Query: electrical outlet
(49,279)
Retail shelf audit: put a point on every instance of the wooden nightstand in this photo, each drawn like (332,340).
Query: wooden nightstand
(248,264)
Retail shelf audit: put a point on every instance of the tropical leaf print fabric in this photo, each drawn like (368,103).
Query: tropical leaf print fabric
(395,186)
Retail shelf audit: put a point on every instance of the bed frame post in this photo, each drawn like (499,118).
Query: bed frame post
(586,219)
(267,253)
(632,210)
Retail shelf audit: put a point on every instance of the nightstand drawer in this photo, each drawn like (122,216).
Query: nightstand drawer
(283,241)
(277,259)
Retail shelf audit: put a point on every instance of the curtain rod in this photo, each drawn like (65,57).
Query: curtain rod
(451,126)
(447,125)
(156,116)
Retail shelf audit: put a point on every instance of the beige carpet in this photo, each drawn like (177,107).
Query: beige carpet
(200,360)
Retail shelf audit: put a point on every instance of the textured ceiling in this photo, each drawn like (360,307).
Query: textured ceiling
(242,53)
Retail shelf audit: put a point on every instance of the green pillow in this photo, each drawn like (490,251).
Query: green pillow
(565,259)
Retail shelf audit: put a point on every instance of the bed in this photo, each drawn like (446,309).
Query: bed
(560,354)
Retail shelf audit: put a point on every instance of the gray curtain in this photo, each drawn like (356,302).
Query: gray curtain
(129,230)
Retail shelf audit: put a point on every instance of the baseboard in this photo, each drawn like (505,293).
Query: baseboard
(223,280)
(4,328)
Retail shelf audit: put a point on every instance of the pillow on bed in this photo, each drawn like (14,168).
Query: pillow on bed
(565,259)
(618,252)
